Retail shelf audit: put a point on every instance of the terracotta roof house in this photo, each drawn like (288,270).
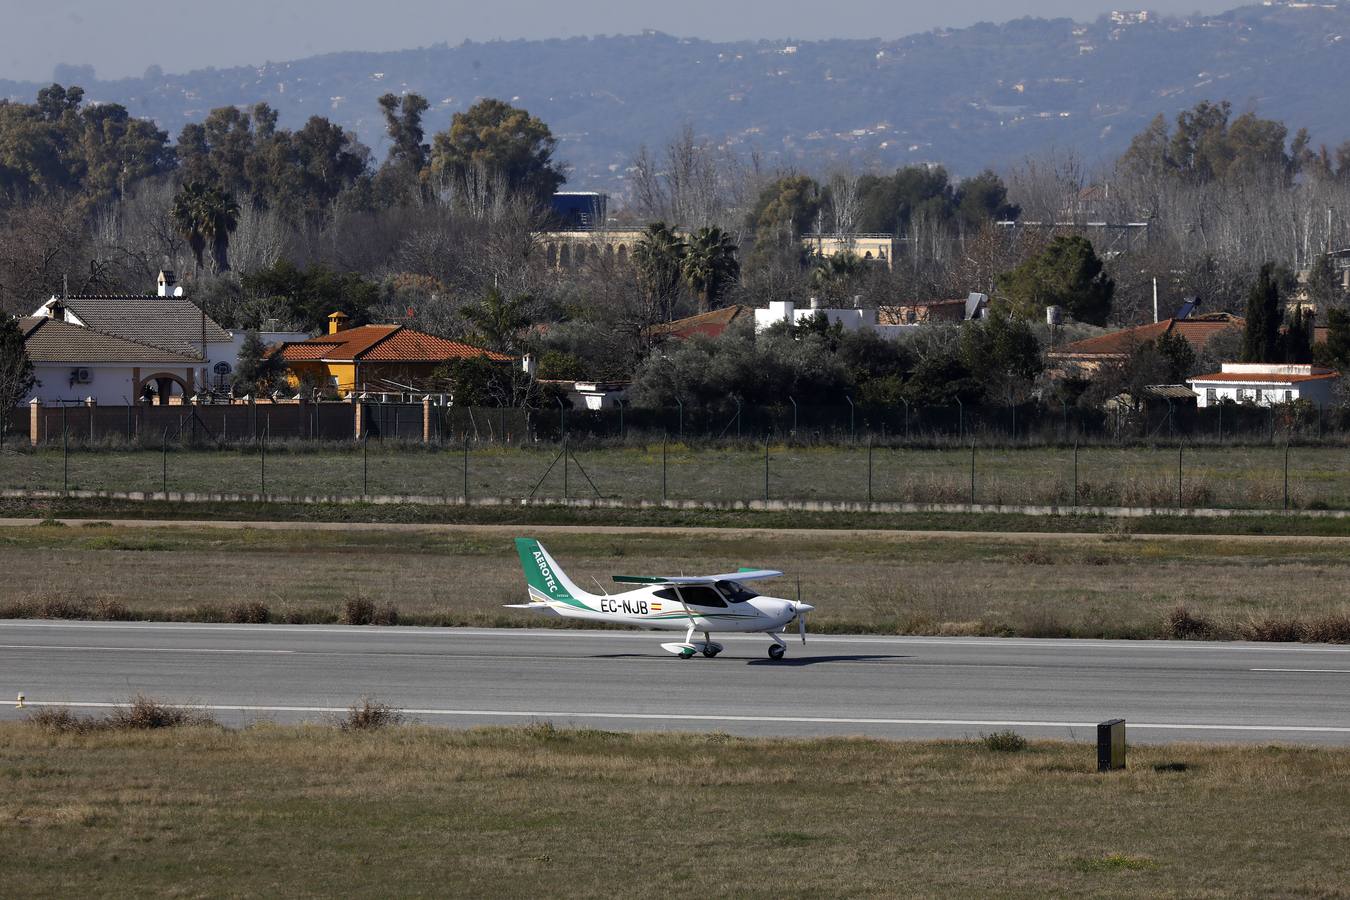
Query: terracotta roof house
(74,364)
(708,324)
(1086,357)
(166,320)
(1265,384)
(373,357)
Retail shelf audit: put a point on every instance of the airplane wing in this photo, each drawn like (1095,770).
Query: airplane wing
(742,575)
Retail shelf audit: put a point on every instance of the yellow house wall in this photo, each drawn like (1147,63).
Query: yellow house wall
(345,373)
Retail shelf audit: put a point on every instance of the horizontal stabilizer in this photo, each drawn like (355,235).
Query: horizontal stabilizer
(526,606)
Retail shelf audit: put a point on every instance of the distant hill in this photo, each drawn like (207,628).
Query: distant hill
(970,98)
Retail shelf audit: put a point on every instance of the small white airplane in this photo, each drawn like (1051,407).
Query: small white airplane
(690,604)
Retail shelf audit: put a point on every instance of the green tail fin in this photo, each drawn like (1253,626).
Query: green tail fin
(546,581)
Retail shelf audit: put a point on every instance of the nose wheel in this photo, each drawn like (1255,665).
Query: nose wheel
(776,651)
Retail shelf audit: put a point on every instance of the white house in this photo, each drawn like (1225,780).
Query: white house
(74,364)
(182,351)
(1265,384)
(850,319)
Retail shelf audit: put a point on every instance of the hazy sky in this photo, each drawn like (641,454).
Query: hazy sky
(123,37)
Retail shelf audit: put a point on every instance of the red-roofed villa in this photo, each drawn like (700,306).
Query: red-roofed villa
(373,357)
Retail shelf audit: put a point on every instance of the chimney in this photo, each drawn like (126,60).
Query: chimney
(528,364)
(57,311)
(337,321)
(815,303)
(166,282)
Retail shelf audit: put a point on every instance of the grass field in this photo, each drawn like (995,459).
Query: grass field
(1232,477)
(1105,585)
(312,811)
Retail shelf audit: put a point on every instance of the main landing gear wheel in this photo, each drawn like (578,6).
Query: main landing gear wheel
(710,652)
(688,653)
(776,651)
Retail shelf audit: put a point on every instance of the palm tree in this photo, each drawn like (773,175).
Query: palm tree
(187,218)
(206,214)
(831,275)
(659,257)
(710,265)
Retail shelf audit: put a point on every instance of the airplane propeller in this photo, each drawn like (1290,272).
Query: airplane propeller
(801,612)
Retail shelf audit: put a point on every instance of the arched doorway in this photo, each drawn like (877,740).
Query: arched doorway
(160,387)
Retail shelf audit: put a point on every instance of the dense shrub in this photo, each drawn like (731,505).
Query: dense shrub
(370,715)
(1184,625)
(1273,630)
(1005,742)
(144,713)
(252,612)
(1329,629)
(358,611)
(361,611)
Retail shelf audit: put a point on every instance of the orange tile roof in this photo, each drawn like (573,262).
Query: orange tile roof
(710,323)
(1262,378)
(1198,330)
(415,346)
(313,349)
(382,343)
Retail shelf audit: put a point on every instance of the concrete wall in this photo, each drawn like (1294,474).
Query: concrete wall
(109,384)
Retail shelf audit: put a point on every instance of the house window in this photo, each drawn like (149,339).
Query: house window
(1211,395)
(222,372)
(1288,396)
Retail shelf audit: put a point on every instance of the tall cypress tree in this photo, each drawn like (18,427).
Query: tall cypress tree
(1261,337)
(16,370)
(1298,338)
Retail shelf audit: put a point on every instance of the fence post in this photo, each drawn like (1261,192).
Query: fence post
(1180,448)
(562,420)
(794,414)
(466,469)
(869,470)
(852,431)
(65,454)
(906,402)
(972,473)
(766,469)
(664,440)
(961,422)
(164,466)
(426,419)
(564,455)
(1075,474)
(365,466)
(1286,476)
(262,457)
(34,420)
(680,404)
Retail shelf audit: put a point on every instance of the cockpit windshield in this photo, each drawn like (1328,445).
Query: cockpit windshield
(735,591)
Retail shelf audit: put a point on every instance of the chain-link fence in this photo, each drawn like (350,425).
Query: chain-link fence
(1293,476)
(729,422)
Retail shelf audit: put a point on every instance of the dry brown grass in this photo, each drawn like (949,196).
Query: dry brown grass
(1116,584)
(547,811)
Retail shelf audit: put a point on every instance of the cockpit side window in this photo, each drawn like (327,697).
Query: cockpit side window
(702,595)
(735,591)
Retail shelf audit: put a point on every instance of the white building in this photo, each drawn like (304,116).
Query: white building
(1265,384)
(113,347)
(75,364)
(851,319)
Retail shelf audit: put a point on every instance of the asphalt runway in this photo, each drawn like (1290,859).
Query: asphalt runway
(892,687)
